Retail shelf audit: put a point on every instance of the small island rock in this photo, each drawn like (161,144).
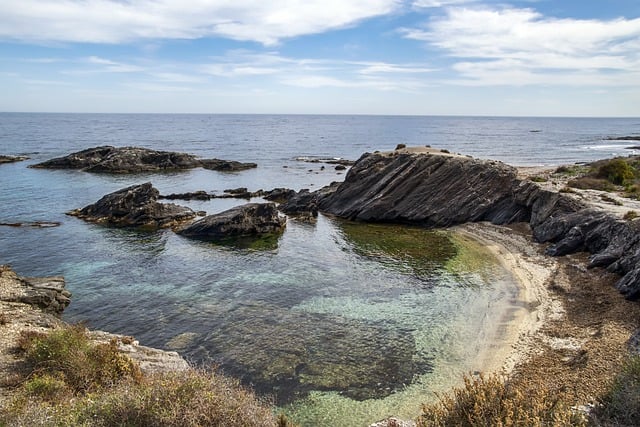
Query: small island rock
(251,219)
(108,159)
(134,206)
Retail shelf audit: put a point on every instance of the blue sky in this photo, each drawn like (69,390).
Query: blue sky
(416,57)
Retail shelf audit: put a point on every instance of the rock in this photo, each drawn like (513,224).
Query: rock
(252,219)
(340,168)
(427,189)
(12,159)
(226,165)
(34,224)
(108,159)
(195,195)
(134,206)
(279,195)
(48,294)
(435,190)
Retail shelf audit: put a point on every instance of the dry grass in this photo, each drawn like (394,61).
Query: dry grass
(72,381)
(493,401)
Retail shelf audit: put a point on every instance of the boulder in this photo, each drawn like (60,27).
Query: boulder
(251,219)
(108,159)
(134,206)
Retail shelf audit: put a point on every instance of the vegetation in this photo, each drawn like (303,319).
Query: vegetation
(72,381)
(630,215)
(620,406)
(604,175)
(493,401)
(538,178)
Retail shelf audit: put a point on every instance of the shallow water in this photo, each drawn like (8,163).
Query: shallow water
(337,321)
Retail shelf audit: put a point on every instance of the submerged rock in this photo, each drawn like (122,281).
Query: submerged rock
(12,159)
(134,206)
(252,219)
(288,353)
(108,159)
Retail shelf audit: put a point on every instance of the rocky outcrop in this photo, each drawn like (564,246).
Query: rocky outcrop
(46,293)
(134,206)
(440,190)
(108,159)
(35,304)
(252,219)
(12,159)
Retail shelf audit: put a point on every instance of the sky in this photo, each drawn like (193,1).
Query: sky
(396,57)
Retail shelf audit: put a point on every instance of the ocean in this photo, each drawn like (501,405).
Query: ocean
(333,320)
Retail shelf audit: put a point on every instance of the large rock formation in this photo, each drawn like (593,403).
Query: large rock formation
(134,206)
(108,159)
(251,219)
(440,190)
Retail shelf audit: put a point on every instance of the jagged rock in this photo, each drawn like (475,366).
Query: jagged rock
(12,159)
(108,159)
(279,195)
(432,190)
(134,206)
(252,219)
(438,190)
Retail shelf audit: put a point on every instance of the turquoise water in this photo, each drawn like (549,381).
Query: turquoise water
(334,319)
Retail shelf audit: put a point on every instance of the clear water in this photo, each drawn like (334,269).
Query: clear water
(337,321)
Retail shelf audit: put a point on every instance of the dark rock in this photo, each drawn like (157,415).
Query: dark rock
(134,206)
(195,195)
(12,159)
(431,190)
(326,160)
(252,219)
(279,195)
(623,138)
(34,224)
(226,165)
(108,159)
(401,146)
(340,168)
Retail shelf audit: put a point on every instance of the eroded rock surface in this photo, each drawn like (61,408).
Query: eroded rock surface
(134,206)
(108,159)
(11,159)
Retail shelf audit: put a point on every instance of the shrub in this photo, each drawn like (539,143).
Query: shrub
(492,401)
(68,353)
(630,215)
(538,179)
(621,404)
(616,171)
(585,183)
(73,381)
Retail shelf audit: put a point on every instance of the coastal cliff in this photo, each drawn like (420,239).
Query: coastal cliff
(435,189)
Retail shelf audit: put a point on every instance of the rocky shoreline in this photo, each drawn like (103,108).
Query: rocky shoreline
(574,329)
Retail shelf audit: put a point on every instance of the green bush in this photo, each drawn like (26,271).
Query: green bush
(620,406)
(68,353)
(492,401)
(616,171)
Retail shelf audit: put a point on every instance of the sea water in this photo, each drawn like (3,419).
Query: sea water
(336,321)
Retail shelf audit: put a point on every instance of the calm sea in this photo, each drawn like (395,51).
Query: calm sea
(336,321)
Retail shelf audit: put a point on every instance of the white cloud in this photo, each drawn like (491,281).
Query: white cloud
(420,4)
(382,68)
(521,46)
(112,66)
(115,21)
